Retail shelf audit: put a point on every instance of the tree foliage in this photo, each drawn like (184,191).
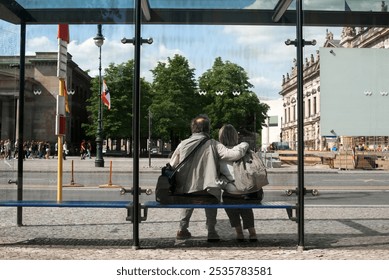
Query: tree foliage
(173,99)
(228,98)
(117,122)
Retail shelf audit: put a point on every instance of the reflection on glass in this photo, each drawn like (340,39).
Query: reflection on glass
(344,5)
(321,5)
(49,4)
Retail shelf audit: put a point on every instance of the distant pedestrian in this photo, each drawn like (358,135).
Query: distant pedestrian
(16,150)
(89,149)
(83,149)
(55,149)
(48,150)
(7,149)
(65,150)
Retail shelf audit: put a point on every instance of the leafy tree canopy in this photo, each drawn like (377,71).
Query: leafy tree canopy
(228,98)
(173,98)
(117,122)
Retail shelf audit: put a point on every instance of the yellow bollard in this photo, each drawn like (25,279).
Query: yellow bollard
(72,184)
(110,185)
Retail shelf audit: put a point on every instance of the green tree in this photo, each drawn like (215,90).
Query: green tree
(117,122)
(174,95)
(228,98)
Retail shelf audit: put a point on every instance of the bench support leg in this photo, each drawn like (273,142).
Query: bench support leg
(290,213)
(130,214)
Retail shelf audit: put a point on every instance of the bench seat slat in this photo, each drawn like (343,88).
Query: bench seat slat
(75,204)
(147,204)
(268,204)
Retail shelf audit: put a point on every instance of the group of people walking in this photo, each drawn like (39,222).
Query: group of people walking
(210,172)
(31,149)
(40,149)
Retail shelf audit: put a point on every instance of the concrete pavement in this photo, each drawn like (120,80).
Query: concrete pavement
(79,234)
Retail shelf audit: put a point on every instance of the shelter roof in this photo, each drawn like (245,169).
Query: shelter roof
(212,12)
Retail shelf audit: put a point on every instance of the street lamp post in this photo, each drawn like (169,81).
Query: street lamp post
(99,161)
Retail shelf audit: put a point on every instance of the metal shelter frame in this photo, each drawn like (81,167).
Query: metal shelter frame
(142,13)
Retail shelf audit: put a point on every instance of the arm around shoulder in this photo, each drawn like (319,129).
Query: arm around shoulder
(232,154)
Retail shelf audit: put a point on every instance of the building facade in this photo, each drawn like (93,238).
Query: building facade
(41,90)
(350,38)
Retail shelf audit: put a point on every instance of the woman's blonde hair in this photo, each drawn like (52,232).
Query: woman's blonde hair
(228,135)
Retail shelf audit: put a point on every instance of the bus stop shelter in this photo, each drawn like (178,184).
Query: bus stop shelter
(136,13)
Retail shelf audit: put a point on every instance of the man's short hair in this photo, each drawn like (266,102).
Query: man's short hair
(201,123)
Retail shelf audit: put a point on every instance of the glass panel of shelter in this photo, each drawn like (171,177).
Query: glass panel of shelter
(239,43)
(9,92)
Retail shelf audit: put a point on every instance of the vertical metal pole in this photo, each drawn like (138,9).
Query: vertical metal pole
(268,132)
(19,211)
(255,132)
(99,160)
(136,125)
(149,138)
(60,149)
(300,125)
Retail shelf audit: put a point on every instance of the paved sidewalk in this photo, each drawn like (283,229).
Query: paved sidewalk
(79,234)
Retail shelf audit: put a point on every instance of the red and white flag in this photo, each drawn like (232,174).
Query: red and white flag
(105,97)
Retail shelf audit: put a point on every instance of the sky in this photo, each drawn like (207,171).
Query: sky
(260,50)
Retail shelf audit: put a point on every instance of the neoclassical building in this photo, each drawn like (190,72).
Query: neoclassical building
(41,90)
(350,38)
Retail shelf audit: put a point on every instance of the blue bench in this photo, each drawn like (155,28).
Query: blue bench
(264,205)
(145,206)
(66,204)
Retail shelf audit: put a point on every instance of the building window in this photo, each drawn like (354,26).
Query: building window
(288,113)
(314,106)
(294,113)
(309,107)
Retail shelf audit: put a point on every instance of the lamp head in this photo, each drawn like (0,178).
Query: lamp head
(99,39)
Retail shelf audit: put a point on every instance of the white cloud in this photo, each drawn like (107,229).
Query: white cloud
(266,87)
(265,82)
(262,52)
(86,54)
(261,4)
(40,44)
(152,55)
